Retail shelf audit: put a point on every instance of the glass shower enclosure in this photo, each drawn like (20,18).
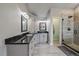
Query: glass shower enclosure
(70,32)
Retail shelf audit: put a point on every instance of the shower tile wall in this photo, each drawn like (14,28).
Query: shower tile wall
(68,34)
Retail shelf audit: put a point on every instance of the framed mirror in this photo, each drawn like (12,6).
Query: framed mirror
(42,26)
(24,24)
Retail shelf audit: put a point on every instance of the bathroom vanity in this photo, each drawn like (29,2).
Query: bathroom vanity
(38,38)
(23,45)
(18,45)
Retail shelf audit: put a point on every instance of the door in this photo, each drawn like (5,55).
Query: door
(56,30)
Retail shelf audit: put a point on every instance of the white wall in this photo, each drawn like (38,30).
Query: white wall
(10,23)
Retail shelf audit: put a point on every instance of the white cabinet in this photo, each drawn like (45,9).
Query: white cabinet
(37,38)
(40,38)
(43,37)
(17,50)
(31,47)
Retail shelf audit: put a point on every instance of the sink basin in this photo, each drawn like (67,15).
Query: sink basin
(22,40)
(25,39)
(29,34)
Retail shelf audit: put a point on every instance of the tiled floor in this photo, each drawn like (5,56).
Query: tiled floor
(47,50)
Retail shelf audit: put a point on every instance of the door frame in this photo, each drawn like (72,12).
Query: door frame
(61,31)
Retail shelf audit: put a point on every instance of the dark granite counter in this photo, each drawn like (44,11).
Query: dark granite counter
(24,38)
(42,32)
(19,39)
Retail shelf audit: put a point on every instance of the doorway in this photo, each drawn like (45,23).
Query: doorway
(56,31)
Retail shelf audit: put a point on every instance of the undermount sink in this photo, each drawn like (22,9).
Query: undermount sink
(22,40)
(29,34)
(25,39)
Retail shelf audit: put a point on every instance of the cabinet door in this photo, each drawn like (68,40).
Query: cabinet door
(32,45)
(41,38)
(30,49)
(44,37)
(17,50)
(37,38)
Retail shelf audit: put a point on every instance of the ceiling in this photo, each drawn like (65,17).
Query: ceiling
(53,5)
(42,8)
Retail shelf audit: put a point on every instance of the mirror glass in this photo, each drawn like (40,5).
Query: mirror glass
(24,24)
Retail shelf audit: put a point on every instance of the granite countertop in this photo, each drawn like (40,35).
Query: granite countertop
(42,32)
(20,39)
